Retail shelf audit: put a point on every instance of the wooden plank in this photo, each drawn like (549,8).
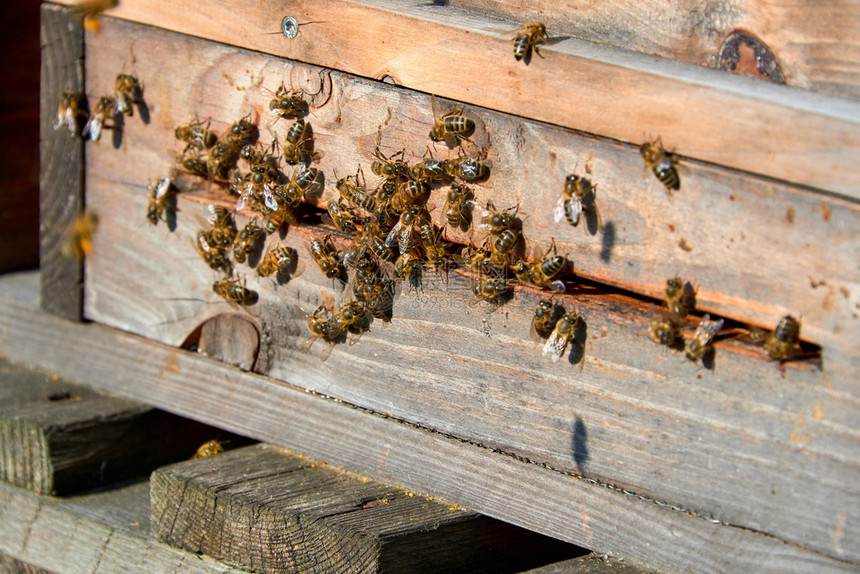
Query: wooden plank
(814,43)
(60,437)
(102,532)
(14,566)
(704,114)
(741,430)
(268,511)
(61,162)
(493,481)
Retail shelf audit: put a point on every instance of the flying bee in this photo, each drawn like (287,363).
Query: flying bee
(498,221)
(466,168)
(196,135)
(356,194)
(241,133)
(661,163)
(77,239)
(562,333)
(782,344)
(98,121)
(680,296)
(542,271)
(528,38)
(341,216)
(287,104)
(233,290)
(161,199)
(428,170)
(246,241)
(210,448)
(278,259)
(570,204)
(700,345)
(129,91)
(457,204)
(544,319)
(451,127)
(71,111)
(388,167)
(326,256)
(665,330)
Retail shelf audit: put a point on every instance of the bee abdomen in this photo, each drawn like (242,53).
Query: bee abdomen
(667,174)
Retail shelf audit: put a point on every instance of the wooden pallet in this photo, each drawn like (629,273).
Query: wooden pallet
(764,224)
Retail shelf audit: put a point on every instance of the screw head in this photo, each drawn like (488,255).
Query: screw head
(290,27)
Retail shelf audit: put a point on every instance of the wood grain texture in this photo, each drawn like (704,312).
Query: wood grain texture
(736,443)
(499,484)
(61,162)
(103,532)
(814,42)
(268,511)
(704,114)
(60,437)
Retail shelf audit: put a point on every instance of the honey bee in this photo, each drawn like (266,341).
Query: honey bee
(544,319)
(97,121)
(341,216)
(351,316)
(210,448)
(542,271)
(466,168)
(77,239)
(782,344)
(661,163)
(665,330)
(479,261)
(564,331)
(211,253)
(405,264)
(435,250)
(296,148)
(570,204)
(275,219)
(492,289)
(196,135)
(428,170)
(326,256)
(680,296)
(161,196)
(287,104)
(356,194)
(318,325)
(192,163)
(70,111)
(528,38)
(388,167)
(278,259)
(223,230)
(222,157)
(403,229)
(300,183)
(371,236)
(503,246)
(233,290)
(700,345)
(246,240)
(241,133)
(498,221)
(129,91)
(457,204)
(451,127)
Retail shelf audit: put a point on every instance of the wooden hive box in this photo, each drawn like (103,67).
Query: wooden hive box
(624,446)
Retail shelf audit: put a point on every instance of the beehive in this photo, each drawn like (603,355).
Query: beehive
(625,446)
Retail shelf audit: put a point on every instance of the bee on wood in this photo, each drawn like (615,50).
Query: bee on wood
(129,91)
(564,331)
(665,330)
(77,240)
(161,198)
(435,249)
(326,257)
(388,167)
(492,289)
(570,205)
(280,260)
(197,135)
(233,290)
(661,163)
(403,230)
(223,230)
(527,39)
(246,241)
(191,162)
(318,325)
(700,345)
(296,148)
(71,112)
(496,221)
(406,264)
(242,133)
(341,216)
(466,168)
(428,170)
(451,127)
(542,271)
(544,319)
(356,194)
(372,237)
(210,448)
(211,253)
(504,246)
(287,104)
(478,260)
(680,296)
(277,218)
(457,205)
(222,157)
(98,121)
(293,192)
(782,343)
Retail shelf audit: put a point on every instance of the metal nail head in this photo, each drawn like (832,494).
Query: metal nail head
(290,27)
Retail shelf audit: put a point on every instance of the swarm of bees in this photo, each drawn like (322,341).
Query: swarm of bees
(72,110)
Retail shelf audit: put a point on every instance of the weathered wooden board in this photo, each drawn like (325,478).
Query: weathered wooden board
(705,114)
(60,437)
(103,532)
(61,163)
(265,510)
(12,565)
(627,413)
(496,483)
(815,43)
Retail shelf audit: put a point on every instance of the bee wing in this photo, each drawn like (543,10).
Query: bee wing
(245,197)
(404,239)
(93,127)
(163,188)
(556,286)
(269,198)
(392,237)
(558,212)
(555,345)
(707,329)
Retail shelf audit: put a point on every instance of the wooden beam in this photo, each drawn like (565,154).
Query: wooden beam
(107,531)
(579,510)
(265,510)
(700,114)
(61,162)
